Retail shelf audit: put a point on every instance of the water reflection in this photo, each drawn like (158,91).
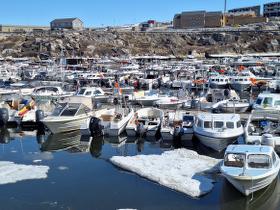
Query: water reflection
(5,136)
(61,141)
(267,198)
(96,147)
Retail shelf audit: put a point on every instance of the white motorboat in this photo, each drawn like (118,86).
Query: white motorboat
(145,98)
(250,168)
(267,101)
(114,120)
(232,106)
(218,130)
(49,92)
(96,93)
(146,121)
(69,115)
(169,103)
(263,127)
(177,125)
(243,81)
(219,81)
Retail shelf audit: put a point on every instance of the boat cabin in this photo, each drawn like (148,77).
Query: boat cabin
(70,109)
(267,101)
(218,121)
(250,157)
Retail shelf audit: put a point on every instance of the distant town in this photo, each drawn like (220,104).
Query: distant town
(235,17)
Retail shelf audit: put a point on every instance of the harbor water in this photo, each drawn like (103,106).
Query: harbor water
(81,176)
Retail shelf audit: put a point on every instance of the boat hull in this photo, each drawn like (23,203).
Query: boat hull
(215,143)
(246,187)
(63,126)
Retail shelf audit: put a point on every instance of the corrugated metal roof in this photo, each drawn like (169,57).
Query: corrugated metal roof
(66,19)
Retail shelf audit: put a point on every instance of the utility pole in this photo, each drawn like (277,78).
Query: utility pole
(224,16)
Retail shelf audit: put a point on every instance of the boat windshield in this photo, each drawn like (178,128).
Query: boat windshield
(259,161)
(82,91)
(58,109)
(70,110)
(234,160)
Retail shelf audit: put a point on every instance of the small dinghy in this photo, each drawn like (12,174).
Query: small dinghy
(146,121)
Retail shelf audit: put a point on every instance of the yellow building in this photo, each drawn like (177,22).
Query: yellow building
(233,19)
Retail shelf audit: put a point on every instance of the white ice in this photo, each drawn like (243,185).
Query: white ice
(180,170)
(12,173)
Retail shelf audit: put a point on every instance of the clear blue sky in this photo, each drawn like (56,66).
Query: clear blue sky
(96,13)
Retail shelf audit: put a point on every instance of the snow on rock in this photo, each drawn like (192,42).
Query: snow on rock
(180,169)
(12,173)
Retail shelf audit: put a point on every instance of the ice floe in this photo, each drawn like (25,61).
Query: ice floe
(12,173)
(180,169)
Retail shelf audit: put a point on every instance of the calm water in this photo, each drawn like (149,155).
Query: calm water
(81,177)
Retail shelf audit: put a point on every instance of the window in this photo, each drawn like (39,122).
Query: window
(88,93)
(273,157)
(97,92)
(259,101)
(199,123)
(267,101)
(82,91)
(234,160)
(258,161)
(277,103)
(230,125)
(218,124)
(238,124)
(207,124)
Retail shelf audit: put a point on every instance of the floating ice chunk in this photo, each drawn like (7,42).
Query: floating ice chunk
(37,161)
(63,168)
(180,169)
(12,173)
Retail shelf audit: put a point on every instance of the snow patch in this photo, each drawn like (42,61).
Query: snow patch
(181,170)
(12,173)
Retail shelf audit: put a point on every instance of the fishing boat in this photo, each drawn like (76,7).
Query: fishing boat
(218,130)
(250,168)
(177,125)
(48,93)
(69,115)
(96,93)
(267,101)
(146,121)
(114,120)
(169,103)
(263,127)
(232,106)
(219,81)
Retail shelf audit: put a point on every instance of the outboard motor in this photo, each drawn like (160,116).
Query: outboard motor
(140,130)
(97,105)
(39,115)
(4,116)
(95,127)
(4,136)
(267,139)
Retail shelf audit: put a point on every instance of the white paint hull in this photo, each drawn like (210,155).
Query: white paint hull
(247,187)
(217,144)
(65,125)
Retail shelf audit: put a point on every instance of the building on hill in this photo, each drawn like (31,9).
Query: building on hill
(255,9)
(243,18)
(271,9)
(21,28)
(67,23)
(198,19)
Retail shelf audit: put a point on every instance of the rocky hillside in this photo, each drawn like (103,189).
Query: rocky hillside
(93,43)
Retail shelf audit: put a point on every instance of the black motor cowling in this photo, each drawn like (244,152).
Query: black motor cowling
(39,115)
(95,127)
(4,116)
